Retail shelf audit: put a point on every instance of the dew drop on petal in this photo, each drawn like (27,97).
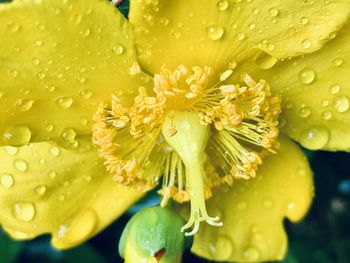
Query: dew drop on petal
(223,248)
(40,190)
(341,104)
(21,165)
(24,104)
(118,49)
(23,211)
(11,150)
(222,5)
(17,136)
(64,102)
(54,151)
(327,115)
(307,75)
(306,43)
(215,32)
(6,180)
(338,62)
(265,61)
(304,112)
(334,89)
(315,138)
(273,12)
(68,135)
(251,253)
(78,228)
(85,93)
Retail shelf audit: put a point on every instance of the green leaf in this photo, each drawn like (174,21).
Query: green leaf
(9,249)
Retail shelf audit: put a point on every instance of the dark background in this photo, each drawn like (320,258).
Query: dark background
(323,237)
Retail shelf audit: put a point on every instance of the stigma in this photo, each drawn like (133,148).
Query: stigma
(191,133)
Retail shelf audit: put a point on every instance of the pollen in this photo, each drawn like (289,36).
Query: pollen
(191,133)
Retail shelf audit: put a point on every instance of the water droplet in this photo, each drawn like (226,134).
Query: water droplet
(41,75)
(52,174)
(306,43)
(338,62)
(273,12)
(304,112)
(251,26)
(49,128)
(64,102)
(307,75)
(77,228)
(327,115)
(18,136)
(222,5)
(240,36)
(13,73)
(304,20)
(40,190)
(68,135)
(265,61)
(24,211)
(85,93)
(315,138)
(83,122)
(325,103)
(54,151)
(21,165)
(251,253)
(334,89)
(14,27)
(36,61)
(215,32)
(118,49)
(24,105)
(223,248)
(341,103)
(232,64)
(11,150)
(6,180)
(85,33)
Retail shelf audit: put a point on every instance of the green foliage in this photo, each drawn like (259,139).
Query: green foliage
(9,250)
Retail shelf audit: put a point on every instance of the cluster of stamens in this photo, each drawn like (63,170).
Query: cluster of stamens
(242,120)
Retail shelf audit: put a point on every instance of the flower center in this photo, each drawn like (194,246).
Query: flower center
(193,134)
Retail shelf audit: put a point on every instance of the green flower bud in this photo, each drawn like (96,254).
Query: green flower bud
(153,235)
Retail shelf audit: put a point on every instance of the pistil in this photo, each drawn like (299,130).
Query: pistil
(190,142)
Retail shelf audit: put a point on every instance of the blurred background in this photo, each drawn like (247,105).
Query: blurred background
(322,237)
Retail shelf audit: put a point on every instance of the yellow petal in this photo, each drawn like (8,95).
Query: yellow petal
(217,33)
(316,95)
(67,193)
(253,210)
(58,60)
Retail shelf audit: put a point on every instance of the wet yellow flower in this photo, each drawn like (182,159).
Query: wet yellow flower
(197,96)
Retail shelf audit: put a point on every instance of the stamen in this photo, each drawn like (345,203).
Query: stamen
(194,135)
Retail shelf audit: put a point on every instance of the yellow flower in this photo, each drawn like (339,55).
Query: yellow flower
(191,90)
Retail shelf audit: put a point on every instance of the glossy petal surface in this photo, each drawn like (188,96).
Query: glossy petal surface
(64,192)
(253,210)
(58,61)
(316,95)
(221,33)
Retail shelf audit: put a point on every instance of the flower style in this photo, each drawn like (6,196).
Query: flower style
(196,96)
